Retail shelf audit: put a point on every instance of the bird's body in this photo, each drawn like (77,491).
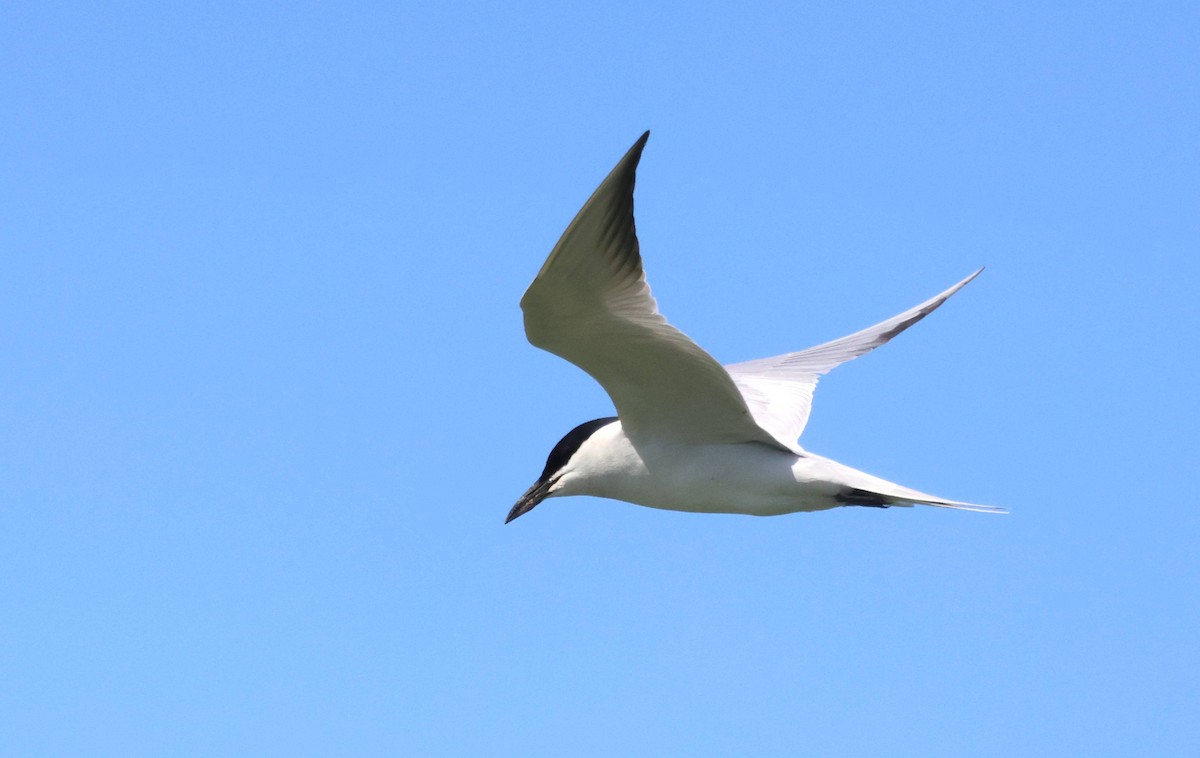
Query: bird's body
(690,435)
(736,477)
(747,478)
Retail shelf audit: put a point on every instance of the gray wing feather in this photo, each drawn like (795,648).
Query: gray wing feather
(779,389)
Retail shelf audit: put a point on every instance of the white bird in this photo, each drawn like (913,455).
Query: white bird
(690,434)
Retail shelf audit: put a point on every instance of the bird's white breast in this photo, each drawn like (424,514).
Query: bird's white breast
(748,478)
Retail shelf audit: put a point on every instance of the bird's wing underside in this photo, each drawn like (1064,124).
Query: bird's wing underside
(590,304)
(779,390)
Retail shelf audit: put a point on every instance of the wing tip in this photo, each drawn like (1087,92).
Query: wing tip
(944,296)
(634,154)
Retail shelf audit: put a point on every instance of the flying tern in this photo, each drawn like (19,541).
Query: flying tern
(689,434)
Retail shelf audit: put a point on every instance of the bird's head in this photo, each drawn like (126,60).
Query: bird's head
(556,465)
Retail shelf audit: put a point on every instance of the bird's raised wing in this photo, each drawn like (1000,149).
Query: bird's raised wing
(590,304)
(779,390)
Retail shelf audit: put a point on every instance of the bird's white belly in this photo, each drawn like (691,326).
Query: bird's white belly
(745,478)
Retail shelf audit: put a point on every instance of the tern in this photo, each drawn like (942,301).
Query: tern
(689,434)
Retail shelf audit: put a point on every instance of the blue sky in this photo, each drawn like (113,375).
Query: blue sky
(265,398)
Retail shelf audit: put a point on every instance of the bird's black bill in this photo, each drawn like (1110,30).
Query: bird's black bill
(534,495)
